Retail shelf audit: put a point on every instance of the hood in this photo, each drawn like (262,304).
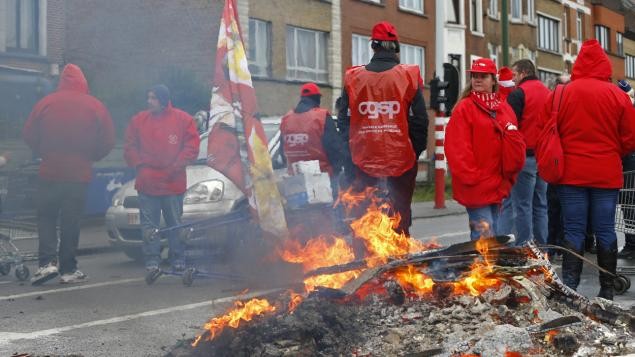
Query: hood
(592,62)
(72,78)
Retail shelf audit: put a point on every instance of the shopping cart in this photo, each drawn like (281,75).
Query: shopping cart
(625,214)
(17,218)
(208,242)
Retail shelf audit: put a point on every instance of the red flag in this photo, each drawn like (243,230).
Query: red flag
(237,144)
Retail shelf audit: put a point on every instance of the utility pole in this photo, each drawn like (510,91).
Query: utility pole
(505,31)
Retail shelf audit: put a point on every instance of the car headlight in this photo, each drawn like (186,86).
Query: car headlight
(117,201)
(204,192)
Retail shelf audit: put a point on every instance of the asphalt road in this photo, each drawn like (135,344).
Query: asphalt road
(115,313)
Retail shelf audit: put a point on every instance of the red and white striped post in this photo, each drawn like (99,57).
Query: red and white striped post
(440,165)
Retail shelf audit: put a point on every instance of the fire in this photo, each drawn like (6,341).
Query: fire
(550,335)
(241,312)
(320,252)
(377,230)
(295,300)
(477,281)
(411,277)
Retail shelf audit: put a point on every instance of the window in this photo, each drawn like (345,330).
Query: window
(412,5)
(306,55)
(409,54)
(548,34)
(259,54)
(516,10)
(531,11)
(579,27)
(547,77)
(453,12)
(476,20)
(602,35)
(492,10)
(22,30)
(630,66)
(493,52)
(361,50)
(620,43)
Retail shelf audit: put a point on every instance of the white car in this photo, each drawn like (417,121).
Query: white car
(209,194)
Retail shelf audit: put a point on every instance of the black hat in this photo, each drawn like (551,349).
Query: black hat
(162,93)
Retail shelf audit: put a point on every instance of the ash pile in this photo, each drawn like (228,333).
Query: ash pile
(513,305)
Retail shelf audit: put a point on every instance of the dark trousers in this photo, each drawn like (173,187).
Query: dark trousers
(556,230)
(399,190)
(63,201)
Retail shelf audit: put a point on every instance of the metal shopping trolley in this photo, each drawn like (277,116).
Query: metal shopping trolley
(625,214)
(17,218)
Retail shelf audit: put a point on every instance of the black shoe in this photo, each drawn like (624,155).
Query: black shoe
(607,259)
(571,266)
(627,252)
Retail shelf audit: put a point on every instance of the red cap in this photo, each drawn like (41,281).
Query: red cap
(309,89)
(505,74)
(483,65)
(384,31)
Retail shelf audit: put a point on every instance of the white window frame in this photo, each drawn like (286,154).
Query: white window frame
(492,9)
(602,35)
(542,73)
(478,29)
(315,74)
(493,52)
(28,39)
(629,63)
(531,12)
(260,65)
(619,40)
(578,26)
(516,5)
(459,12)
(358,43)
(416,6)
(405,50)
(547,41)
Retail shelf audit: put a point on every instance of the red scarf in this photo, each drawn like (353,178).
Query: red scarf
(488,101)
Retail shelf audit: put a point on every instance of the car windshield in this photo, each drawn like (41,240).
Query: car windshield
(272,129)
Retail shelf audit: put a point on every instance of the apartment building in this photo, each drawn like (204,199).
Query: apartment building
(291,42)
(31,50)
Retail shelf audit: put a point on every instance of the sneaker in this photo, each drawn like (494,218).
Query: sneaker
(71,278)
(44,274)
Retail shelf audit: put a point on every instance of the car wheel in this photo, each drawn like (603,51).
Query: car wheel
(135,253)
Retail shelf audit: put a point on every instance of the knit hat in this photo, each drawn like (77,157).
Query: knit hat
(505,77)
(309,89)
(162,93)
(624,85)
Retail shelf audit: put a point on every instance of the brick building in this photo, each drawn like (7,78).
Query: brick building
(608,27)
(31,49)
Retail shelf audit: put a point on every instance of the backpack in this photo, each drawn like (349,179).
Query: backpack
(549,153)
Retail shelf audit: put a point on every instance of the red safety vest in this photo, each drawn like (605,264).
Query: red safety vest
(302,137)
(379,104)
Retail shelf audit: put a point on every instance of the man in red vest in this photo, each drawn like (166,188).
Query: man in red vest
(529,194)
(384,121)
(308,133)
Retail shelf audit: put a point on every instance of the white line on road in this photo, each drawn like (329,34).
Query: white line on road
(445,235)
(4,282)
(9,337)
(72,288)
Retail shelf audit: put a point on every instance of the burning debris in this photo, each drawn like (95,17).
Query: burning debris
(406,298)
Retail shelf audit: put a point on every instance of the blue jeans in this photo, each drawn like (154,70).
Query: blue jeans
(525,211)
(483,221)
(150,208)
(577,203)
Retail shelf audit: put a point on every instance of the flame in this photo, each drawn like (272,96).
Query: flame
(241,311)
(477,281)
(513,354)
(295,300)
(549,336)
(411,277)
(321,252)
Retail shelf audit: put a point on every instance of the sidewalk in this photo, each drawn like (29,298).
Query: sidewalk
(427,210)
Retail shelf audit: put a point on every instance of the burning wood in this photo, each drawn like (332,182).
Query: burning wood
(404,298)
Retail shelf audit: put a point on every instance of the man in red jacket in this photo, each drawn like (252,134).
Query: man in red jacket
(528,209)
(160,143)
(387,127)
(308,132)
(69,129)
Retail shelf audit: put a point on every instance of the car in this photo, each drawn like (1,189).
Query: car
(209,194)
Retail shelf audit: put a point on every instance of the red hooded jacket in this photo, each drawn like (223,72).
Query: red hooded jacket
(160,146)
(69,129)
(483,156)
(596,122)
